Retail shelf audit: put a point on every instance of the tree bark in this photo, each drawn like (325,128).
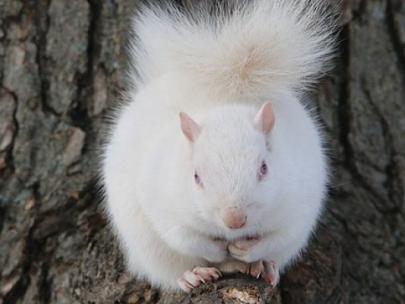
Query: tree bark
(62,65)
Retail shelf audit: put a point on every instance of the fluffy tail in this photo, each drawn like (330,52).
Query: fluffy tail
(240,49)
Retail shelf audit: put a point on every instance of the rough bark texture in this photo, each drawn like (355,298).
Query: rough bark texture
(61,66)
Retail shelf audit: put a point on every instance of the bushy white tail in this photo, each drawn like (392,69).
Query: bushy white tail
(243,49)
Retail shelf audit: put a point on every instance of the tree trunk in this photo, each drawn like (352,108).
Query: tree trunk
(62,65)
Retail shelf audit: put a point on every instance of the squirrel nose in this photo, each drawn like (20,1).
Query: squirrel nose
(234,218)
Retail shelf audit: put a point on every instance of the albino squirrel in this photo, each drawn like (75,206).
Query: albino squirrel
(214,164)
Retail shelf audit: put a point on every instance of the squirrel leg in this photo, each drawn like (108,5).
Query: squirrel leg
(255,269)
(232,266)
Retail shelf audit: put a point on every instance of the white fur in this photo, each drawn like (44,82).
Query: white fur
(263,47)
(219,70)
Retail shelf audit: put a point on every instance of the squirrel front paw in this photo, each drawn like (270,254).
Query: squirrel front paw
(271,273)
(268,270)
(199,275)
(243,249)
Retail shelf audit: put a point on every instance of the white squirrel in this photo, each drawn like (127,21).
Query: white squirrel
(237,183)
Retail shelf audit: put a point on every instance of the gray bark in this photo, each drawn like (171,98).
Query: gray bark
(61,66)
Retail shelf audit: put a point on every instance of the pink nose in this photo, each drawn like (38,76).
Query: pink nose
(234,218)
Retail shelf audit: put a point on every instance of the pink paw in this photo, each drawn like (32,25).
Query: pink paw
(193,279)
(256,269)
(271,273)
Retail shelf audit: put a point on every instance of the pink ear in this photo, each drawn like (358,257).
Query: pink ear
(265,119)
(189,127)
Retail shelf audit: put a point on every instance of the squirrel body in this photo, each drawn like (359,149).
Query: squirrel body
(242,174)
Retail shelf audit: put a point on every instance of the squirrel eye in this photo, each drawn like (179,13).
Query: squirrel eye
(197,179)
(263,170)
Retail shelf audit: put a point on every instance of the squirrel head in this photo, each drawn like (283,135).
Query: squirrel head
(231,165)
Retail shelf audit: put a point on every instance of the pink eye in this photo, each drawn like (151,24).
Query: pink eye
(197,179)
(263,170)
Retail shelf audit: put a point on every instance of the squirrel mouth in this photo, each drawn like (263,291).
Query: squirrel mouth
(247,237)
(251,238)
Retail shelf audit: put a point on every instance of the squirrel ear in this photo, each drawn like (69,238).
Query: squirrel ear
(189,127)
(265,119)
